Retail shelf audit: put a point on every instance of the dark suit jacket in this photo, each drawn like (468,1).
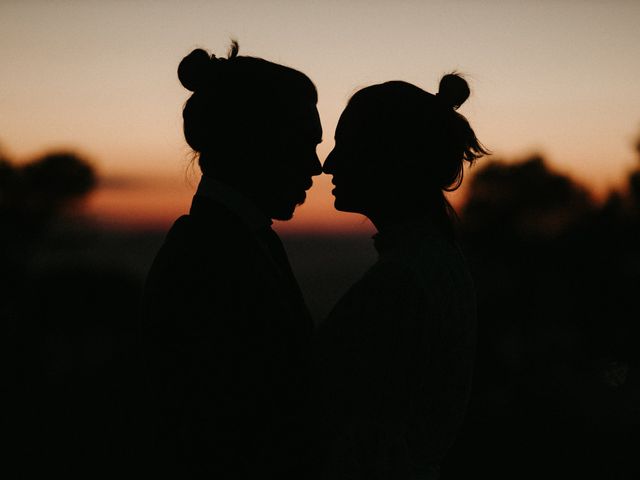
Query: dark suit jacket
(227,342)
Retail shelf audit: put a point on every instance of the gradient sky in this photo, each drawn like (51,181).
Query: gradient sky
(557,77)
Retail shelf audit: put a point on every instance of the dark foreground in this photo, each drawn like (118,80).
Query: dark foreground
(556,393)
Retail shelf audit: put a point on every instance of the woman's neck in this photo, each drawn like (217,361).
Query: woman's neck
(388,219)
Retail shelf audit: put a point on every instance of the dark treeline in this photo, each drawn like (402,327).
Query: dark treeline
(557,385)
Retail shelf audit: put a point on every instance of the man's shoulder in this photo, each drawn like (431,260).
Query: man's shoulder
(194,233)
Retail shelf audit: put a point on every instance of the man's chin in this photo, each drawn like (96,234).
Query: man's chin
(342,206)
(284,214)
(282,217)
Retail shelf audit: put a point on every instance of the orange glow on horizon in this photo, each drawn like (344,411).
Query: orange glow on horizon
(155,206)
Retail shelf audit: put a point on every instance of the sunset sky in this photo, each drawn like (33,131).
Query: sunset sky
(99,77)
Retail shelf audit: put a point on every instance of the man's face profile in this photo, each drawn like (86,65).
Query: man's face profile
(293,161)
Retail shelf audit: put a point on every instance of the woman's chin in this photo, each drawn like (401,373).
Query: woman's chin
(342,206)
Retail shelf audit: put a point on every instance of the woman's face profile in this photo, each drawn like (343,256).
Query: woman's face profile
(355,165)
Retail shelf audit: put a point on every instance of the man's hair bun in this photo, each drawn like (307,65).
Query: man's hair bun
(194,71)
(453,90)
(198,69)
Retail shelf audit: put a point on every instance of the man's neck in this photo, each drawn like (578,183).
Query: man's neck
(235,200)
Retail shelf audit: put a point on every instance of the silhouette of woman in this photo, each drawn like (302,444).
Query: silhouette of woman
(394,358)
(227,333)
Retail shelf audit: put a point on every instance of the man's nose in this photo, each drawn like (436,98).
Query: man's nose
(316,166)
(329,162)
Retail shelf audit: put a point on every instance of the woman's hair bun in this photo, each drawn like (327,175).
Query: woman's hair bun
(453,90)
(194,71)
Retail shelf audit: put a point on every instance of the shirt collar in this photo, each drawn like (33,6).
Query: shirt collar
(235,201)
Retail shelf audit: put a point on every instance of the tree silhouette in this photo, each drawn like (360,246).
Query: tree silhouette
(59,177)
(524,200)
(31,195)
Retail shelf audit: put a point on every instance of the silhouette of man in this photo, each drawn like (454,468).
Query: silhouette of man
(226,328)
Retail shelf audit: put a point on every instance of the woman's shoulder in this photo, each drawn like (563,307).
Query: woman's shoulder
(425,266)
(420,253)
